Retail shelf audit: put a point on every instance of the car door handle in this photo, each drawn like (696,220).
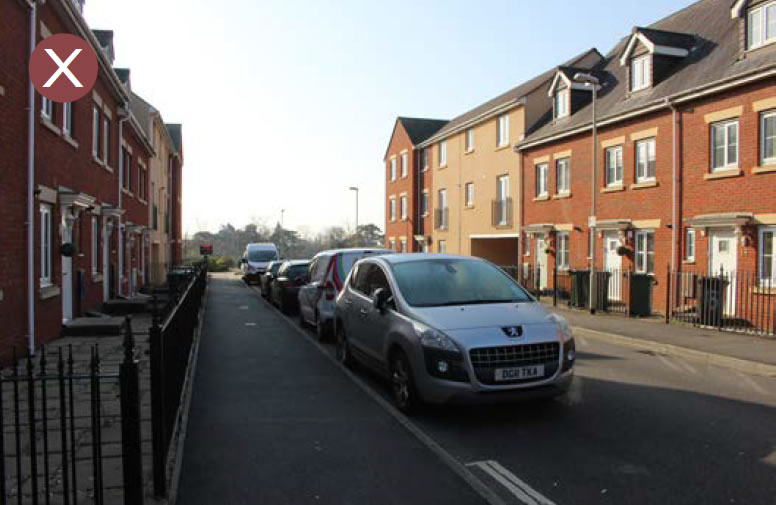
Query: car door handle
(363,312)
(348,302)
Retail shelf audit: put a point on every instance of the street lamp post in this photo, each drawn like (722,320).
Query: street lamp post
(354,188)
(591,80)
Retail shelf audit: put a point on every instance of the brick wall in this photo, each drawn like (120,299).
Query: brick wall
(401,185)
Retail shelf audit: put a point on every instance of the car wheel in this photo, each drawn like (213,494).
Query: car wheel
(343,348)
(402,384)
(320,329)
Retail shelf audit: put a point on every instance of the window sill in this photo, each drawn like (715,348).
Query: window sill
(612,189)
(144,202)
(764,291)
(688,262)
(96,278)
(645,184)
(468,207)
(442,166)
(764,170)
(505,226)
(561,196)
(425,214)
(542,198)
(424,169)
(404,176)
(724,174)
(98,161)
(70,140)
(501,148)
(46,292)
(51,126)
(469,151)
(127,192)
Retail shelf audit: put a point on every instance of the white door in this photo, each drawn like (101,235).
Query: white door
(67,275)
(612,264)
(722,259)
(541,261)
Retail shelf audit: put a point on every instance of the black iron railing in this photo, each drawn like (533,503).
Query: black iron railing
(171,340)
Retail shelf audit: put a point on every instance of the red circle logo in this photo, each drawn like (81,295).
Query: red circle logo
(63,67)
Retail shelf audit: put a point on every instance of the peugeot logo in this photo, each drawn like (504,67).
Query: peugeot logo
(513,331)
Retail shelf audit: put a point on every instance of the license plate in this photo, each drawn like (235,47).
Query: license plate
(525,372)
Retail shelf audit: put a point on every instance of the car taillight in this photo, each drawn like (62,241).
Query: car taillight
(329,290)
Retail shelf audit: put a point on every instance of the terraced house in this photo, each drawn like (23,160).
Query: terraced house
(474,185)
(684,178)
(75,195)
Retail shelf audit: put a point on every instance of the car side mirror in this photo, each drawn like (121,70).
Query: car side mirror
(380,299)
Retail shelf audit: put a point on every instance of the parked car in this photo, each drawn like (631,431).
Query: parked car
(269,274)
(284,290)
(328,270)
(447,328)
(255,259)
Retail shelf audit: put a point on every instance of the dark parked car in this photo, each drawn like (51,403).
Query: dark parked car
(285,286)
(265,281)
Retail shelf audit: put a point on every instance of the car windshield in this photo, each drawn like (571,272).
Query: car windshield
(440,282)
(274,268)
(261,255)
(295,271)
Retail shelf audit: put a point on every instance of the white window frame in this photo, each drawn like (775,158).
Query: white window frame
(641,254)
(442,196)
(95,132)
(563,175)
(771,114)
(541,170)
(403,207)
(762,24)
(562,105)
(403,245)
(502,196)
(641,73)
(727,165)
(392,244)
(45,245)
(392,209)
(645,149)
(105,139)
(67,119)
(95,245)
(526,243)
(443,153)
(468,198)
(442,246)
(392,171)
(502,130)
(689,245)
(404,165)
(424,156)
(46,108)
(616,171)
(424,203)
(761,255)
(468,138)
(562,250)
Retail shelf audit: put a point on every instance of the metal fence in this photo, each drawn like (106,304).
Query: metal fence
(171,339)
(736,301)
(53,415)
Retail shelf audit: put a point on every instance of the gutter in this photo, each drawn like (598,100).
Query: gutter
(123,113)
(32,4)
(674,184)
(677,98)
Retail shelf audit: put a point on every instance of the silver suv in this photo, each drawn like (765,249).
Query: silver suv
(447,328)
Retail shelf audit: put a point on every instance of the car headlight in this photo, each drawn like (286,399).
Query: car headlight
(434,339)
(562,326)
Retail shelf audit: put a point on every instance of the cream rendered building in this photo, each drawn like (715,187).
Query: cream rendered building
(475,182)
(160,235)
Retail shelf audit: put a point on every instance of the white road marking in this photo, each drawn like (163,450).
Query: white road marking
(250,324)
(243,307)
(667,362)
(582,341)
(687,366)
(512,482)
(753,384)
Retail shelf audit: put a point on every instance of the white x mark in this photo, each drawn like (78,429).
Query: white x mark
(63,68)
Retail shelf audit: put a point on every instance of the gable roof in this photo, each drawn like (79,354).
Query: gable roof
(176,134)
(712,61)
(501,102)
(420,129)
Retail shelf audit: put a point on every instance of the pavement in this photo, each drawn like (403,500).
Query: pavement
(273,420)
(739,351)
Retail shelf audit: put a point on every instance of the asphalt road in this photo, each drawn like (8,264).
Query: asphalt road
(637,428)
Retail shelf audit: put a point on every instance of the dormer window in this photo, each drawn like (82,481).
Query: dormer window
(561,103)
(640,73)
(761,25)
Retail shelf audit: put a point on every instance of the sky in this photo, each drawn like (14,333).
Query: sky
(285,104)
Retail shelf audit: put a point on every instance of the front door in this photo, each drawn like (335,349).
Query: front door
(722,260)
(67,273)
(541,262)
(612,264)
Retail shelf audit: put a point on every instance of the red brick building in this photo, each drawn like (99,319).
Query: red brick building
(408,189)
(89,186)
(685,153)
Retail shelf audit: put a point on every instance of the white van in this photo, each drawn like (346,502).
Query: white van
(255,259)
(327,272)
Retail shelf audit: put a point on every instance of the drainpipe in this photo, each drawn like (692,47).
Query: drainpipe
(123,113)
(674,184)
(31,189)
(520,244)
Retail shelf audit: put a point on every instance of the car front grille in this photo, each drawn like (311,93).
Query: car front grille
(486,360)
